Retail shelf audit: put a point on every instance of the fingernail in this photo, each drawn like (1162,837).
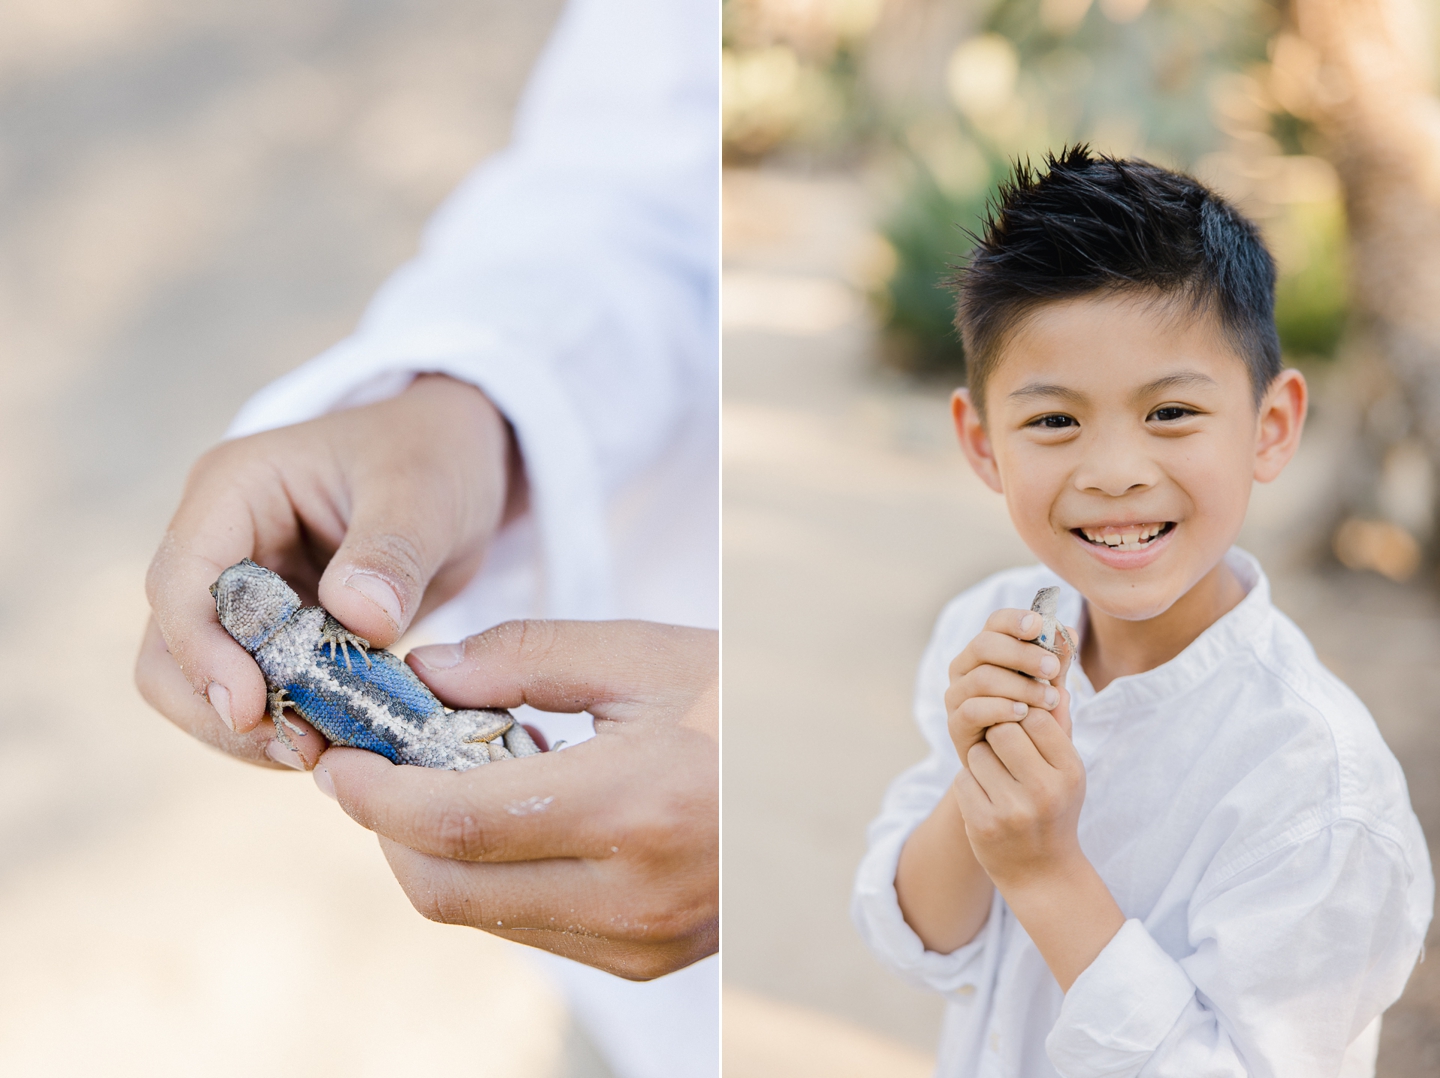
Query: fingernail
(219,697)
(1049,666)
(1020,710)
(379,591)
(325,782)
(282,755)
(439,656)
(1029,623)
(1052,697)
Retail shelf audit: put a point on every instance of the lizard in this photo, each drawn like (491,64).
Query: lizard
(1047,604)
(355,695)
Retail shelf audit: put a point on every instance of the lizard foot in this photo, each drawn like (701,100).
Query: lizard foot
(336,635)
(519,741)
(278,701)
(485,725)
(471,756)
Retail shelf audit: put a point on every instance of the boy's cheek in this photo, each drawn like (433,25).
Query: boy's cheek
(1027,500)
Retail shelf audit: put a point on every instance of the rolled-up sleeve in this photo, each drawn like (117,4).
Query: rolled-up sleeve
(1294,956)
(876,909)
(911,798)
(572,277)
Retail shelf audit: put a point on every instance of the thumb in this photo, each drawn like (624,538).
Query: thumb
(427,483)
(613,669)
(401,533)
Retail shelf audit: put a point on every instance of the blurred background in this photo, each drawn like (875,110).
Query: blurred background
(862,139)
(194,198)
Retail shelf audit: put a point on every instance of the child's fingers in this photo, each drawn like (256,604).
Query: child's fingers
(212,529)
(1014,749)
(997,681)
(992,775)
(166,689)
(974,715)
(1049,739)
(1061,713)
(1000,649)
(1019,624)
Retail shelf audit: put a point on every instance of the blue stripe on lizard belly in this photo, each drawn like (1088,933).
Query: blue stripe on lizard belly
(331,717)
(388,681)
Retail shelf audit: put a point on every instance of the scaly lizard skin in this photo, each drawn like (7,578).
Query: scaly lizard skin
(354,696)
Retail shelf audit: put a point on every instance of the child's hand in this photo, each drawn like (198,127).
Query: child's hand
(1020,795)
(621,869)
(985,689)
(382,512)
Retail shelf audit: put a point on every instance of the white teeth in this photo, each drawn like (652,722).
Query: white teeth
(1132,538)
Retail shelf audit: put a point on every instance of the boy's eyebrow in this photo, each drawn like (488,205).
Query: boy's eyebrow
(1047,389)
(1180,380)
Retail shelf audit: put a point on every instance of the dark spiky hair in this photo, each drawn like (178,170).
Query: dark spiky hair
(1091,224)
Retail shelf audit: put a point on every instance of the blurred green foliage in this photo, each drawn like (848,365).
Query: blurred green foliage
(928,237)
(1179,82)
(1311,298)
(790,75)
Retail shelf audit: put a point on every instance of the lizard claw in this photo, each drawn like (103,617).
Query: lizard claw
(279,700)
(336,635)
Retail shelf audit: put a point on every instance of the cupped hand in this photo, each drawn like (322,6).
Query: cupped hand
(606,852)
(380,513)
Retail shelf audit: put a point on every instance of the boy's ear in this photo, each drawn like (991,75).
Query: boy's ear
(1282,418)
(974,442)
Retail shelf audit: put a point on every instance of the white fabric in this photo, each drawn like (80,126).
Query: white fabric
(1251,824)
(574,278)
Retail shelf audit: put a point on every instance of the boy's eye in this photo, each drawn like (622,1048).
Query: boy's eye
(1054,422)
(1170,413)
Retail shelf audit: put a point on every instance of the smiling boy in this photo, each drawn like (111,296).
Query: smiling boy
(1184,850)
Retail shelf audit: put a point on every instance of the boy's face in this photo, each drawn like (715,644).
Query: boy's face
(1124,436)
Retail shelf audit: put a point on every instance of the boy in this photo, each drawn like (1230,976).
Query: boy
(1184,849)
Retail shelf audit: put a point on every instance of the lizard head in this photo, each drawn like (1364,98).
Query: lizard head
(1047,602)
(252,603)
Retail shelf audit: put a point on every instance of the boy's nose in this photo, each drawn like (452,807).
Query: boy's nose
(1116,466)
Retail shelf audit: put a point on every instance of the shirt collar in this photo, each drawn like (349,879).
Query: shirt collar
(1234,631)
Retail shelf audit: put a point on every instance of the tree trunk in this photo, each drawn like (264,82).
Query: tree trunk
(1357,70)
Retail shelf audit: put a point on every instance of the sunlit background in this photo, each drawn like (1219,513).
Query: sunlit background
(194,198)
(862,139)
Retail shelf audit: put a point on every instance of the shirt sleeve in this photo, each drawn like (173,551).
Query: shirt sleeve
(1290,961)
(572,277)
(911,798)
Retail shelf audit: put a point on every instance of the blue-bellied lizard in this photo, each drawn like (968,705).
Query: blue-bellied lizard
(354,696)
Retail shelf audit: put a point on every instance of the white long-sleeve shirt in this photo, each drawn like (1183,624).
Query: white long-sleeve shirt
(574,278)
(1253,827)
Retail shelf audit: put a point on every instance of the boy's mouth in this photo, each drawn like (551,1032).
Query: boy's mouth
(1125,536)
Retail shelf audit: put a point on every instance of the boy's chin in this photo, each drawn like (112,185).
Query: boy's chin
(1128,606)
(1127,596)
